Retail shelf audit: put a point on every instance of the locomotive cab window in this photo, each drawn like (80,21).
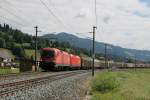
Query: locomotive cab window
(48,53)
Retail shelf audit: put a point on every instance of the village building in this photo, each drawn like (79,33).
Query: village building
(5,57)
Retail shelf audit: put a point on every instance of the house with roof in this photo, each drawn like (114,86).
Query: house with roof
(5,57)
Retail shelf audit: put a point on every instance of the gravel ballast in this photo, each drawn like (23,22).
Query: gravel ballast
(71,88)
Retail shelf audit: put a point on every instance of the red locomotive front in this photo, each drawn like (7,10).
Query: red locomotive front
(50,58)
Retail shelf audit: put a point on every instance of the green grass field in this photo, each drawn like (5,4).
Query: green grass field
(121,85)
(8,71)
(31,52)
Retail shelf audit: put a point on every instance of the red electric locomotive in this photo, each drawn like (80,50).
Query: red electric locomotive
(53,58)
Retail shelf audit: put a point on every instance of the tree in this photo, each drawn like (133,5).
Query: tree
(19,51)
(129,60)
(10,45)
(2,43)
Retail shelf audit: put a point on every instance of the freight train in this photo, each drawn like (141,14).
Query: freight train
(55,59)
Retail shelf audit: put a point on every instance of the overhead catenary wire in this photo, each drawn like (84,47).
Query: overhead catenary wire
(11,20)
(56,10)
(13,14)
(83,34)
(96,16)
(60,21)
(77,33)
(53,14)
(7,2)
(9,12)
(24,20)
(50,1)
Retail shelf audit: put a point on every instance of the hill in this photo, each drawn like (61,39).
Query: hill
(114,51)
(17,42)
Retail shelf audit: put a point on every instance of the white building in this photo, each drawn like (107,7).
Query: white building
(5,57)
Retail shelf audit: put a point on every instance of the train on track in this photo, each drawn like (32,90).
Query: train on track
(55,59)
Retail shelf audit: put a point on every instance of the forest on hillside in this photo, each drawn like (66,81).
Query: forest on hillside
(17,41)
(22,44)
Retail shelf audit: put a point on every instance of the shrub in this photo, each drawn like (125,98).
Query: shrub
(19,51)
(2,43)
(105,82)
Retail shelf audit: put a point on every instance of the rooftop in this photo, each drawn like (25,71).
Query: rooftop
(4,53)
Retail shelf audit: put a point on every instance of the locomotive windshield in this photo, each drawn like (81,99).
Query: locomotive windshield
(48,53)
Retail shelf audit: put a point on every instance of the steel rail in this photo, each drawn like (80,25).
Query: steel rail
(12,88)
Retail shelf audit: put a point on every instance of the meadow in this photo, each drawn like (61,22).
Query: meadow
(8,70)
(121,85)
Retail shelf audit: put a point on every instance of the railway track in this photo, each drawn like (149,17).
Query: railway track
(11,88)
(18,74)
(14,75)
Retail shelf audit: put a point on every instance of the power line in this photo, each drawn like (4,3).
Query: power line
(7,2)
(11,20)
(53,14)
(50,1)
(22,19)
(96,17)
(83,34)
(9,12)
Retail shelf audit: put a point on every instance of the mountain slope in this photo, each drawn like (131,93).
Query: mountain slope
(100,47)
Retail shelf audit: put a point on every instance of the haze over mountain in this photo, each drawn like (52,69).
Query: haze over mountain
(100,47)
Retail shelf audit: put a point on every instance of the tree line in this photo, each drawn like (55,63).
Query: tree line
(17,41)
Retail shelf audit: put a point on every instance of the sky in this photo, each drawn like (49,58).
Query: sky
(124,23)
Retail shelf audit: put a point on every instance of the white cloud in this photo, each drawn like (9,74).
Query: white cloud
(117,22)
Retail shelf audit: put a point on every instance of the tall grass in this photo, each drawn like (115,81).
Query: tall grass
(8,71)
(105,82)
(124,85)
(4,71)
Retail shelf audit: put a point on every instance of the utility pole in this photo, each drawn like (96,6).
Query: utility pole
(36,29)
(106,56)
(135,62)
(93,56)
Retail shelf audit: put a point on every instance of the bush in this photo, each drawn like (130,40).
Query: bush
(105,82)
(19,51)
(2,43)
(5,71)
(26,45)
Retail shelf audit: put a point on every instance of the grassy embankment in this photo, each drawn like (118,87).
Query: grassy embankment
(121,85)
(31,52)
(8,70)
